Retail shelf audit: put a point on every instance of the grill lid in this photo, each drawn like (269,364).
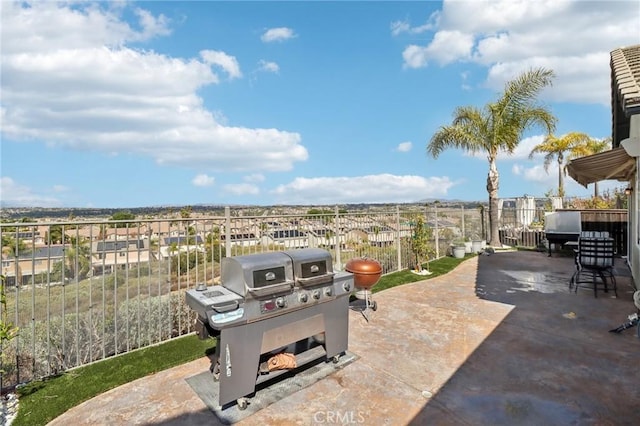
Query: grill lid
(311,266)
(258,275)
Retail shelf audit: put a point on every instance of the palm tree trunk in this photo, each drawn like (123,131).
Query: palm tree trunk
(492,189)
(595,189)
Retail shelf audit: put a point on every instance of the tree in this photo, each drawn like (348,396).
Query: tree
(185,212)
(555,148)
(78,258)
(590,147)
(498,127)
(212,244)
(12,246)
(421,243)
(56,235)
(122,215)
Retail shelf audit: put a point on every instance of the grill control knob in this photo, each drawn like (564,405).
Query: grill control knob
(328,291)
(316,294)
(280,303)
(304,297)
(347,287)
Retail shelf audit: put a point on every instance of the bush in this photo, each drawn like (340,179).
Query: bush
(50,347)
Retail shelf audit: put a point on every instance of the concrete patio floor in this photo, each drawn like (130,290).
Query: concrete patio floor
(498,341)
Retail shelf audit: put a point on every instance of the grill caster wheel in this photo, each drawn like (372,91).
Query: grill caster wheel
(242,403)
(374,306)
(215,370)
(335,359)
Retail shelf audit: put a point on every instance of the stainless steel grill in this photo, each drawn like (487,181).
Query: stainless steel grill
(269,303)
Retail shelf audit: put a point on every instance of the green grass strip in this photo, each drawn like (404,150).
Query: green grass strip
(436,267)
(43,400)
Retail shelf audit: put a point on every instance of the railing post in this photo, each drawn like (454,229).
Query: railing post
(435,232)
(227,230)
(337,237)
(398,244)
(462,226)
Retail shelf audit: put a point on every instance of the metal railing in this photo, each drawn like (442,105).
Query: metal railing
(81,291)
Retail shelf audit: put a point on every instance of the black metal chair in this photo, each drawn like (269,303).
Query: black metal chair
(583,234)
(594,257)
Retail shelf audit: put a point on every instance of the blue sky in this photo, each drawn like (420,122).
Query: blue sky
(127,104)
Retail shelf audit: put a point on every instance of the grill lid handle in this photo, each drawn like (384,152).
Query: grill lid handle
(269,289)
(221,307)
(319,279)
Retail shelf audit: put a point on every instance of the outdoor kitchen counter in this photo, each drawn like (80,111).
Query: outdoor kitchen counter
(434,350)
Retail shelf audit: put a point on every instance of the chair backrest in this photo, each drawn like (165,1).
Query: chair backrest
(595,234)
(595,252)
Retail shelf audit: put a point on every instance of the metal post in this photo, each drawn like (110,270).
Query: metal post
(435,232)
(337,238)
(227,230)
(398,245)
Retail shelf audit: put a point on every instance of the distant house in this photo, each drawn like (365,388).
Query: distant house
(287,238)
(110,255)
(181,244)
(156,230)
(20,270)
(323,237)
(381,236)
(183,240)
(243,239)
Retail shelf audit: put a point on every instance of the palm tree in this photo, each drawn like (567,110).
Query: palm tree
(555,148)
(590,147)
(78,258)
(497,127)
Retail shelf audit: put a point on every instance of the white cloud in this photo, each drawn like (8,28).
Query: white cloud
(242,189)
(228,63)
(535,173)
(69,78)
(464,76)
(446,47)
(268,66)
(510,36)
(404,146)
(203,180)
(399,27)
(277,34)
(383,188)
(521,152)
(152,26)
(12,194)
(36,26)
(523,149)
(548,181)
